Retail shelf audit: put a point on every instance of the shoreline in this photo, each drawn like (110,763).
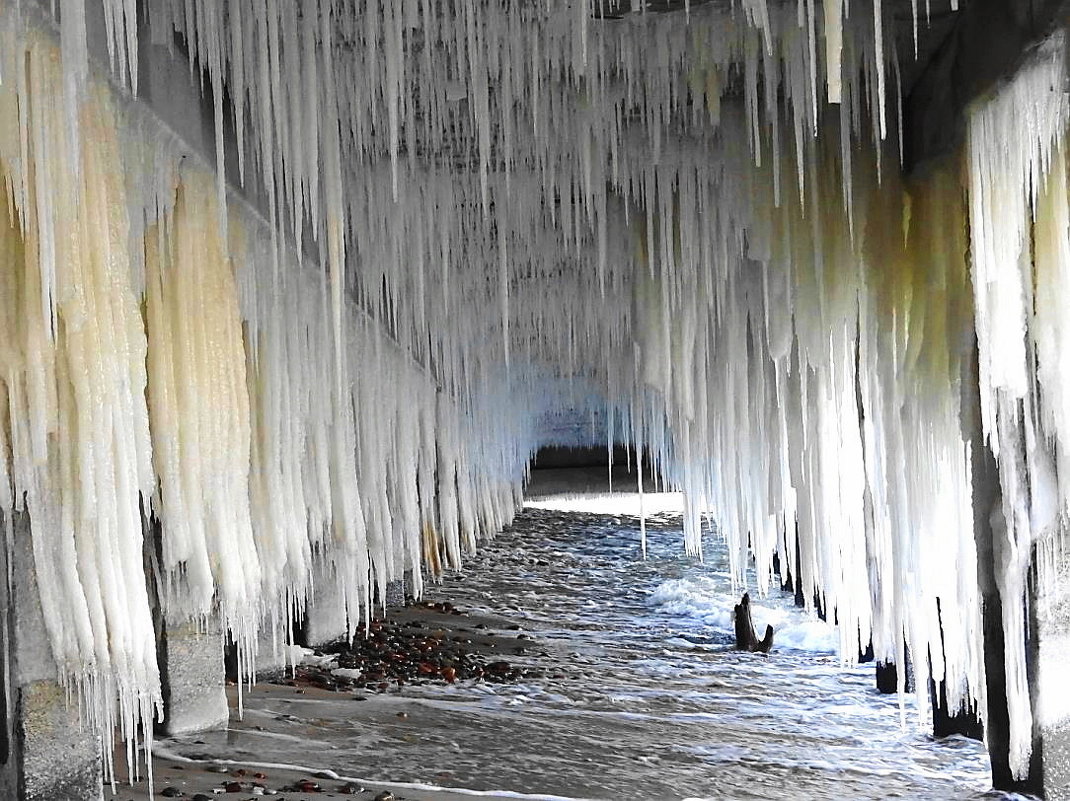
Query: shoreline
(184,767)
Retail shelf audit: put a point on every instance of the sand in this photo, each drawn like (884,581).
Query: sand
(188,766)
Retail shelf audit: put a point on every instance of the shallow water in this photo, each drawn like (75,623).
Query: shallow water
(643,698)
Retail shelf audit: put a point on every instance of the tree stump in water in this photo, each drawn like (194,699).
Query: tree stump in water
(746,637)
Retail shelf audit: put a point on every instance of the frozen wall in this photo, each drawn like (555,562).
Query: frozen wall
(166,352)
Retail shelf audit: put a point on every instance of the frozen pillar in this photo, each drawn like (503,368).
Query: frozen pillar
(398,590)
(1053,699)
(193,678)
(46,753)
(192,674)
(987,508)
(1047,638)
(325,613)
(948,721)
(887,675)
(8,777)
(987,501)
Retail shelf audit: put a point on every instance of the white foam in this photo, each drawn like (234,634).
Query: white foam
(1054,656)
(430,789)
(711,602)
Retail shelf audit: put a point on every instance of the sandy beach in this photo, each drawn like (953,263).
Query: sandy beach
(186,768)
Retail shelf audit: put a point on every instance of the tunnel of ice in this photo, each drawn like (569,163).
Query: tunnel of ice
(696,222)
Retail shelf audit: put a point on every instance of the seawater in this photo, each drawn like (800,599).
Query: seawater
(642,696)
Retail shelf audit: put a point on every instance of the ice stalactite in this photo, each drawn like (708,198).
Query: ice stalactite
(497,100)
(802,380)
(1017,185)
(120,21)
(80,451)
(200,419)
(916,318)
(833,49)
(1051,238)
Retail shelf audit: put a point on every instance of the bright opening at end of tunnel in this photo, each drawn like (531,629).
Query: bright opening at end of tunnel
(586,479)
(606,503)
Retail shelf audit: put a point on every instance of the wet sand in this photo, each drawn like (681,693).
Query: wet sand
(185,767)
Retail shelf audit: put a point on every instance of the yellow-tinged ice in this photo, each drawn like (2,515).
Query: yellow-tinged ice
(199,405)
(75,378)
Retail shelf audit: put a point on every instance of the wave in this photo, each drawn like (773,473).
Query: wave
(711,602)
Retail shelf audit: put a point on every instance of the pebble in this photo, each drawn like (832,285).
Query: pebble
(171,792)
(386,795)
(389,655)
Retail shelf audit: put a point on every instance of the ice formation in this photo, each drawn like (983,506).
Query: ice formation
(1018,221)
(465,216)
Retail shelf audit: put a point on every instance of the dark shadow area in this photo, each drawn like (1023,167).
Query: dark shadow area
(586,471)
(556,456)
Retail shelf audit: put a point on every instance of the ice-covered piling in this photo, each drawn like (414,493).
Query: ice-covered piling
(746,637)
(49,754)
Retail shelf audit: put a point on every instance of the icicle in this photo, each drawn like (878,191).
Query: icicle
(200,419)
(878,42)
(834,49)
(639,468)
(75,68)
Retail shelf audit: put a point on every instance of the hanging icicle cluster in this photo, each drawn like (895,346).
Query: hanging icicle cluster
(75,446)
(1020,232)
(800,366)
(164,353)
(473,134)
(694,219)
